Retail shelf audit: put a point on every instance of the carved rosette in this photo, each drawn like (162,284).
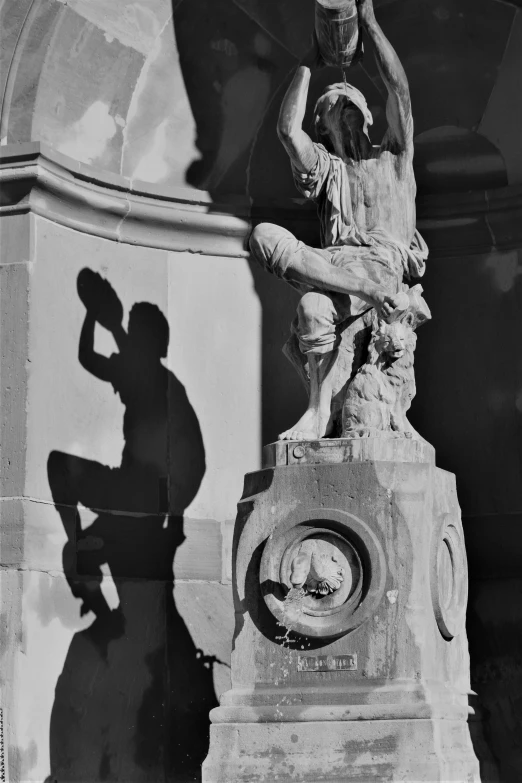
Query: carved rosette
(313,548)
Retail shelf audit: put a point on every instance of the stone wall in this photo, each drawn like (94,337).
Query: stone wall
(138,141)
(118,634)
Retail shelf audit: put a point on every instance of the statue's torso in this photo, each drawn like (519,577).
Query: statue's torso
(357,198)
(382,194)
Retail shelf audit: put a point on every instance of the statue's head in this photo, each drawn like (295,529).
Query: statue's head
(342,119)
(148,330)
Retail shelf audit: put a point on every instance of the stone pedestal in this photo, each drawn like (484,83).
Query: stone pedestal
(372,683)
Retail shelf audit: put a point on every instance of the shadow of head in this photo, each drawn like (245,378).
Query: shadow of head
(148,330)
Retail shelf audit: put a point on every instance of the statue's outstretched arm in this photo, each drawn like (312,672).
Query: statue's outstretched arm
(398,109)
(297,143)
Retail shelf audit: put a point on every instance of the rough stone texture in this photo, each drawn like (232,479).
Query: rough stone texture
(115,644)
(368,752)
(401,713)
(13,356)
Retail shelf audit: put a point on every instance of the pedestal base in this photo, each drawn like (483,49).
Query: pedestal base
(369,682)
(402,751)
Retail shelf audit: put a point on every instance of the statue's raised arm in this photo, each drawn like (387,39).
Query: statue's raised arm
(398,107)
(295,140)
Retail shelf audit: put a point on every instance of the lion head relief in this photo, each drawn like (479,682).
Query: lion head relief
(316,567)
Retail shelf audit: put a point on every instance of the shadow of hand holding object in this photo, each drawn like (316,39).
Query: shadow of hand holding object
(133,699)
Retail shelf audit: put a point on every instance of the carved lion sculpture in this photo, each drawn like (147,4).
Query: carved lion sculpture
(362,406)
(382,390)
(316,568)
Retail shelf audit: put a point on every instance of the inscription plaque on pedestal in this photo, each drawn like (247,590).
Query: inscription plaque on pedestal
(326,663)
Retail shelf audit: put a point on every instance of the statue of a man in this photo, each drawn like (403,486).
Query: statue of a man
(365,197)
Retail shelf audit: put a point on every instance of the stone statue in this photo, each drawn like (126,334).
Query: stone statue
(316,568)
(370,248)
(350,580)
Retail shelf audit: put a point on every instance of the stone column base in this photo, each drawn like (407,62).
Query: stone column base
(368,682)
(402,751)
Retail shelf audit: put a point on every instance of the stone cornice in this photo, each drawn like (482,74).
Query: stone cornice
(35,178)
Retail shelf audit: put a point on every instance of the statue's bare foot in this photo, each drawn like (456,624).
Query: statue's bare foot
(312,425)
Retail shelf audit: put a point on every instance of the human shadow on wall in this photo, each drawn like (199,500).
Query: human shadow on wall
(133,699)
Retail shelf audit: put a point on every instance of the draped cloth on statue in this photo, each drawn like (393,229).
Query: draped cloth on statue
(328,184)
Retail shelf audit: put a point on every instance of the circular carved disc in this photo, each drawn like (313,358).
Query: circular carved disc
(355,548)
(449,579)
(335,546)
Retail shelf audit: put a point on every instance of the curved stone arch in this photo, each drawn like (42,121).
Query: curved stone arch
(77,76)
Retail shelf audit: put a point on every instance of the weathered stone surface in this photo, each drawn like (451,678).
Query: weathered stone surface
(14,284)
(337,450)
(206,609)
(375,688)
(110,666)
(361,752)
(127,690)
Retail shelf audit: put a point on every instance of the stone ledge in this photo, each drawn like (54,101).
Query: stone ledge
(35,178)
(32,538)
(338,450)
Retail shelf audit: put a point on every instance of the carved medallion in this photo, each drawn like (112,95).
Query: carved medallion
(322,573)
(449,578)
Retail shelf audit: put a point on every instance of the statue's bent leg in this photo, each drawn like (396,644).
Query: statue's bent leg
(315,329)
(356,275)
(325,323)
(316,322)
(279,251)
(332,270)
